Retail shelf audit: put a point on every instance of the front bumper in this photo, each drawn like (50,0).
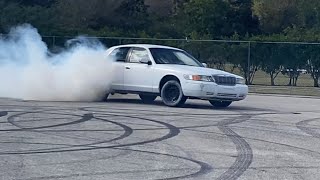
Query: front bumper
(213,91)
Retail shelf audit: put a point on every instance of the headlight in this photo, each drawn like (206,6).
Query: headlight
(241,81)
(199,78)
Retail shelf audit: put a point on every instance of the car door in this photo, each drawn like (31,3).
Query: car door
(119,55)
(138,75)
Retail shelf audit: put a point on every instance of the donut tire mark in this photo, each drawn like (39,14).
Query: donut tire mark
(244,158)
(147,112)
(127,132)
(204,167)
(305,127)
(85,117)
(244,151)
(3,113)
(99,158)
(296,148)
(173,131)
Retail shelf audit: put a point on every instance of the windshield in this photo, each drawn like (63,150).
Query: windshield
(172,56)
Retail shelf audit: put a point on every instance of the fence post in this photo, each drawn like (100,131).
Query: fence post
(249,59)
(53,41)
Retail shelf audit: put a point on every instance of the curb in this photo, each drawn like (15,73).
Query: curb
(284,95)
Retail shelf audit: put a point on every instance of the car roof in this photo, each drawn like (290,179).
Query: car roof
(147,46)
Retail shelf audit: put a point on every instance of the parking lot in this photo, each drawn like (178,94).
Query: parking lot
(263,137)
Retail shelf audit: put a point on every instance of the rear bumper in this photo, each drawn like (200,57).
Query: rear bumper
(212,91)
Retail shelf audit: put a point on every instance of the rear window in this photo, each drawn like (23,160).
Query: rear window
(120,54)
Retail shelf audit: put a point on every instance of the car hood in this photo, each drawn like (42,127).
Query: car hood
(193,70)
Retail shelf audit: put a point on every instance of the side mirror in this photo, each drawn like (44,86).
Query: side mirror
(205,65)
(145,61)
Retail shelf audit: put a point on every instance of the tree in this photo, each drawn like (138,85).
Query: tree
(294,61)
(241,17)
(218,18)
(207,17)
(312,55)
(133,14)
(309,13)
(82,15)
(214,54)
(276,15)
(238,54)
(45,3)
(12,14)
(271,59)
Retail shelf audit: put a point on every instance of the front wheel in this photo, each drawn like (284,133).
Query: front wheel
(172,95)
(147,98)
(220,104)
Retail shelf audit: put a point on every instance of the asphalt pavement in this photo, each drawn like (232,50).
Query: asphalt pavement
(262,137)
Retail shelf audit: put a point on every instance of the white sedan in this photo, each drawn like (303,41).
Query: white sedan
(173,74)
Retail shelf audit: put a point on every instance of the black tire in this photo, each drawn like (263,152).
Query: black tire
(172,95)
(147,98)
(220,104)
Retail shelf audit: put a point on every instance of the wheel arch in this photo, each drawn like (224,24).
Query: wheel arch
(167,78)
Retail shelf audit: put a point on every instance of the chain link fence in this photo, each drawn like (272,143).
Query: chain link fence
(268,67)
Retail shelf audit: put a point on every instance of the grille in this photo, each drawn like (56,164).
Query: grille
(225,80)
(227,95)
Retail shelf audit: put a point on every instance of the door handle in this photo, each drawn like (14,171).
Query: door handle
(127,67)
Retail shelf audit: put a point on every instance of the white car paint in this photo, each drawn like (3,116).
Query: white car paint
(144,78)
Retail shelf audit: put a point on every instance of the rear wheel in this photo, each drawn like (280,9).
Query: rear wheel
(105,97)
(147,98)
(172,95)
(220,104)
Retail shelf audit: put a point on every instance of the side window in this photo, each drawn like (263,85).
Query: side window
(120,54)
(138,54)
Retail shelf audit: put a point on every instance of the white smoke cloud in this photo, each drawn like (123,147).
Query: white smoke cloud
(28,70)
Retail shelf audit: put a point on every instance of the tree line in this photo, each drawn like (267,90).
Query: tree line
(248,20)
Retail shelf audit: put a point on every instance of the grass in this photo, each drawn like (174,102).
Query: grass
(261,78)
(285,90)
(262,85)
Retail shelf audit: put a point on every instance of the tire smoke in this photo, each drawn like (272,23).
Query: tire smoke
(29,71)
